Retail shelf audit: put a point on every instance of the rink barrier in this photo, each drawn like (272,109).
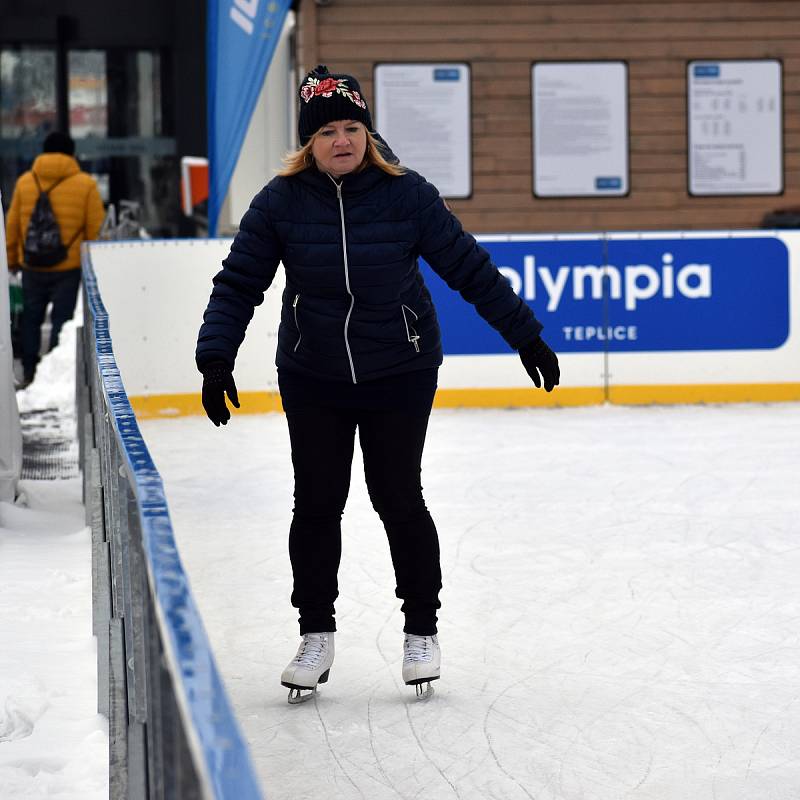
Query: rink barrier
(635,317)
(172,730)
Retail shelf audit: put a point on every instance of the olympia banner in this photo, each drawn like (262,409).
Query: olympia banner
(242,35)
(598,294)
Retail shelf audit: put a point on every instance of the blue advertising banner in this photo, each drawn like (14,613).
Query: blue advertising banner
(634,295)
(242,35)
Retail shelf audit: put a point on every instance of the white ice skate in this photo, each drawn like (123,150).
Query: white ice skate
(310,666)
(422,663)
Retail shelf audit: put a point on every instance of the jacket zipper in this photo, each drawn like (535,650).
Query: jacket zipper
(296,323)
(411,333)
(346,280)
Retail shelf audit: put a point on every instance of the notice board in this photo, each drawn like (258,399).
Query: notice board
(580,128)
(735,127)
(423,113)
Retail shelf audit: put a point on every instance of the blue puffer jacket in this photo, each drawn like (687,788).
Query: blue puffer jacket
(355,306)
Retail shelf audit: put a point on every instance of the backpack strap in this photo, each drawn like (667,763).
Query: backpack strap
(74,239)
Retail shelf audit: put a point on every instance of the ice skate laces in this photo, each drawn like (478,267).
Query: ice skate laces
(417,648)
(312,650)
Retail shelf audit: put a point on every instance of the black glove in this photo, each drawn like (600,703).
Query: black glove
(538,357)
(217,382)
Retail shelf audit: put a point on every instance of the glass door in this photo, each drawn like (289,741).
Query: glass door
(115,114)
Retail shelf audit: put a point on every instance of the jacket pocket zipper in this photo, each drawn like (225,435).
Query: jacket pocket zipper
(411,333)
(296,323)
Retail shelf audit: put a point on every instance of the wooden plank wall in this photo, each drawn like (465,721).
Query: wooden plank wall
(501,40)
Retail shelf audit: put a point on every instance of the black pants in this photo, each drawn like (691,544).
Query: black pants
(38,290)
(322,427)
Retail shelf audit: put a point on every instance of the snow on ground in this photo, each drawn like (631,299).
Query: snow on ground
(52,741)
(54,386)
(620,611)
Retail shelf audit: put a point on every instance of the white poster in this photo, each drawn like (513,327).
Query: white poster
(580,128)
(423,113)
(735,127)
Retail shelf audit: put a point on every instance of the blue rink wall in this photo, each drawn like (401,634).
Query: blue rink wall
(701,316)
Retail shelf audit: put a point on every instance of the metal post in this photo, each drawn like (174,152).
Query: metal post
(101,582)
(155,704)
(118,714)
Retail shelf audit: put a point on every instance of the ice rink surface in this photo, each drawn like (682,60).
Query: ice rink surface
(620,613)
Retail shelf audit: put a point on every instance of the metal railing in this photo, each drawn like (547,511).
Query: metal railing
(172,730)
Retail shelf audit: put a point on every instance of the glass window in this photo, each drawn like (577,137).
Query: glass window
(87,86)
(88,94)
(27,92)
(148,90)
(27,110)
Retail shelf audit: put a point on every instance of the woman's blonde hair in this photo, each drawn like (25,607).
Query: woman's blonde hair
(302,159)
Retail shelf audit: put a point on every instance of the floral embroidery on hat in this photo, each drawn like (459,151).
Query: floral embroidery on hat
(314,87)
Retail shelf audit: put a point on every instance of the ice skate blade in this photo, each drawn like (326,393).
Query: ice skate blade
(424,692)
(422,687)
(296,696)
(418,681)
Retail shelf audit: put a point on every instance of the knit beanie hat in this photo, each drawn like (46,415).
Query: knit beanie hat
(326,98)
(58,142)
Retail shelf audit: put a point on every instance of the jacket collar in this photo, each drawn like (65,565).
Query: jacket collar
(352,184)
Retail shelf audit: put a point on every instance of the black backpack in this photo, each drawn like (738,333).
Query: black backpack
(43,245)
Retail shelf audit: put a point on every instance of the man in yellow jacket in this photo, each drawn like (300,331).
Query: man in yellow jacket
(79,212)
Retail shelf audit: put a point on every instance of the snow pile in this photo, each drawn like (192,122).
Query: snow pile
(54,386)
(52,741)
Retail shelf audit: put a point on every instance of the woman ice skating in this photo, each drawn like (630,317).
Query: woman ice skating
(359,348)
